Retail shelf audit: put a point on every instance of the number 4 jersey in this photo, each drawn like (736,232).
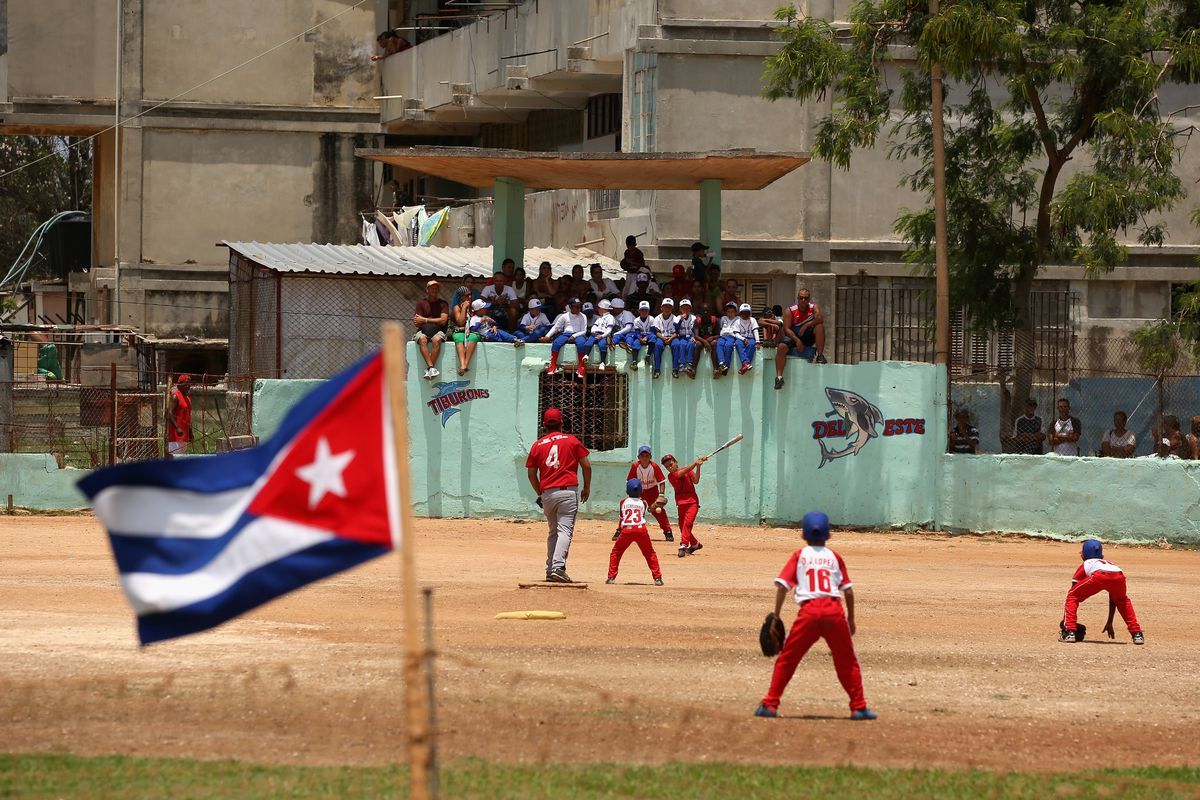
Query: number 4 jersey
(556,456)
(815,572)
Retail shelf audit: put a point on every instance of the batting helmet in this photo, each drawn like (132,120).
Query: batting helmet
(816,527)
(633,487)
(1092,548)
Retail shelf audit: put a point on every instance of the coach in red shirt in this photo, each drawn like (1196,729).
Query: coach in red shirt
(552,464)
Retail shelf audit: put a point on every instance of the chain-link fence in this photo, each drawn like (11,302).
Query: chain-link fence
(1100,378)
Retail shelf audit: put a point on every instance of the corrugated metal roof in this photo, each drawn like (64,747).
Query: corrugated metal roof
(440,262)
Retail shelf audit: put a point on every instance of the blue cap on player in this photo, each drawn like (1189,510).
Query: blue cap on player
(1092,548)
(633,487)
(644,449)
(816,527)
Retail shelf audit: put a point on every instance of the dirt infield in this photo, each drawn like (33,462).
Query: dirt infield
(956,637)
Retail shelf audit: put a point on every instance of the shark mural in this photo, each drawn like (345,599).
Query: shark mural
(857,421)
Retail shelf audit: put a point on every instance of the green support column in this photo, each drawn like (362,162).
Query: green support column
(710,217)
(508,222)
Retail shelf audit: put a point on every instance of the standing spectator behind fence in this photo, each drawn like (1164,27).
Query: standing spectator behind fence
(1063,433)
(964,437)
(430,317)
(179,418)
(1193,439)
(1177,445)
(1027,431)
(1118,442)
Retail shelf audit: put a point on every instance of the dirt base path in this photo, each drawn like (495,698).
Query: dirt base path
(956,638)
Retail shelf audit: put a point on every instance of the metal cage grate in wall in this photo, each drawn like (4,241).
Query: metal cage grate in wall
(596,411)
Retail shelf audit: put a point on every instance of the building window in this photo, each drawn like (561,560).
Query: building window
(604,204)
(641,102)
(597,412)
(603,116)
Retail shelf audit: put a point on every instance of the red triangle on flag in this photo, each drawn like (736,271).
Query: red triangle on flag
(332,476)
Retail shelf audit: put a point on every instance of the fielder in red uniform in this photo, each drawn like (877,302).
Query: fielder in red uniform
(1096,575)
(653,479)
(820,581)
(632,530)
(686,500)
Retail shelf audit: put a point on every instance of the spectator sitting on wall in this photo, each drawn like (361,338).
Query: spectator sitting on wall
(1162,449)
(579,285)
(713,288)
(701,260)
(1063,433)
(731,293)
(635,259)
(467,287)
(600,286)
(464,342)
(544,284)
(964,437)
(1118,442)
(643,288)
(430,317)
(499,296)
(770,323)
(485,325)
(1027,430)
(509,268)
(803,334)
(708,329)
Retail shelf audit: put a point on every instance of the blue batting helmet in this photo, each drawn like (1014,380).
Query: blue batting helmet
(1092,548)
(633,487)
(816,526)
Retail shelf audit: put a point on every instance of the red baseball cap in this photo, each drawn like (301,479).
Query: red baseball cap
(666,458)
(185,378)
(552,415)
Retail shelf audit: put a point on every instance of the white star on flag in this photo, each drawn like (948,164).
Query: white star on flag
(324,474)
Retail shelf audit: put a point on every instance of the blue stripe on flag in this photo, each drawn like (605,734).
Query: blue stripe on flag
(171,555)
(228,470)
(258,587)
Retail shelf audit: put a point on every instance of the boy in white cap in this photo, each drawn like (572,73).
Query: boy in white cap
(664,332)
(569,328)
(641,335)
(600,333)
(535,323)
(726,341)
(683,346)
(483,325)
(746,331)
(624,324)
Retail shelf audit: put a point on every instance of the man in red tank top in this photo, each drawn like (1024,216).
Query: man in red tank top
(179,418)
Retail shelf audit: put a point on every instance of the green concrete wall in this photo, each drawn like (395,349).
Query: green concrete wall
(35,481)
(273,399)
(1133,499)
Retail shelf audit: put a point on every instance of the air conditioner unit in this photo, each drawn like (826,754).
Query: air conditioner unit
(516,77)
(460,94)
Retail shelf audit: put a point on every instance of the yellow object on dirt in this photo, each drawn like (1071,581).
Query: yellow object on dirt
(531,615)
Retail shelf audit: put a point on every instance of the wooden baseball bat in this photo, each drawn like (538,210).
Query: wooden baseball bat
(730,443)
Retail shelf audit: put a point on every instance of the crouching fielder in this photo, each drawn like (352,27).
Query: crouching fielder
(1096,575)
(818,577)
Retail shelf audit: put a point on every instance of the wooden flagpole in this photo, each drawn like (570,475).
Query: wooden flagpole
(420,735)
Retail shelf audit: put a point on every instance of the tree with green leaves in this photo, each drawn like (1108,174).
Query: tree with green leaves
(1031,86)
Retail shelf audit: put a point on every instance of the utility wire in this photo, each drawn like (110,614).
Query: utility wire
(186,92)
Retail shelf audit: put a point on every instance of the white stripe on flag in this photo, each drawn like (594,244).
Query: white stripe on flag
(157,511)
(261,542)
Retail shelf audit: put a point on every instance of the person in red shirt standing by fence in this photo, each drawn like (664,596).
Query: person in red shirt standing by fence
(552,464)
(179,418)
(686,500)
(652,478)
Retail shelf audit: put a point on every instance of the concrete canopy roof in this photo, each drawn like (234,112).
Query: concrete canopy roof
(736,169)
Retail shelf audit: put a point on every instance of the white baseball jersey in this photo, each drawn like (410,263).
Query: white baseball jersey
(490,294)
(643,326)
(745,329)
(603,325)
(664,325)
(633,515)
(535,320)
(568,323)
(814,572)
(727,325)
(686,325)
(624,323)
(478,322)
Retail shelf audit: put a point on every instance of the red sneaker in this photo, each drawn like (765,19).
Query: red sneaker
(745,368)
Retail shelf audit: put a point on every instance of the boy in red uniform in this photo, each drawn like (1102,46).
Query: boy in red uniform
(1096,575)
(632,530)
(684,481)
(818,577)
(652,478)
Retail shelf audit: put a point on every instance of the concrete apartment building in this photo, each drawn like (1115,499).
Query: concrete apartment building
(685,75)
(264,153)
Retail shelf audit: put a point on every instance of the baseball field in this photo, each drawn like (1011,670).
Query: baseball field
(642,691)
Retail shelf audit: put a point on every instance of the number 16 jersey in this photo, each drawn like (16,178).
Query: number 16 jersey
(815,572)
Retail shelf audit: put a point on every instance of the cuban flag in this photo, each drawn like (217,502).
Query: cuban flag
(199,541)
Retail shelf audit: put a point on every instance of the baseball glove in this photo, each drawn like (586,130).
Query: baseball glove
(771,635)
(1080,629)
(539,501)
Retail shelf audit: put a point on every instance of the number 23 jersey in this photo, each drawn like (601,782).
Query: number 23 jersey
(815,572)
(556,456)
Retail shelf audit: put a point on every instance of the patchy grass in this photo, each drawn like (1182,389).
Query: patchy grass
(53,776)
